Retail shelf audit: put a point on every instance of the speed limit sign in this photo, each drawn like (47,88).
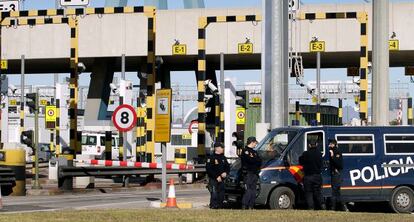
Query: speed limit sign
(124,118)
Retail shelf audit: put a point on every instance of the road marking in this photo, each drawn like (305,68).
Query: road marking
(108,204)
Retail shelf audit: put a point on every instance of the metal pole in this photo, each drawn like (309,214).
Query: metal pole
(36,184)
(164,172)
(380,63)
(266,60)
(123,67)
(222,77)
(279,66)
(318,87)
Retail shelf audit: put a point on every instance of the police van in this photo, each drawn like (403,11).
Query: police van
(378,166)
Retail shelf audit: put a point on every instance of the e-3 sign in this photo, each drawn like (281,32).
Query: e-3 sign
(317,46)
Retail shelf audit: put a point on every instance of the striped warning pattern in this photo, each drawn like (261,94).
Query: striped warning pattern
(203,23)
(140,144)
(77,11)
(340,114)
(221,135)
(180,155)
(150,86)
(73,87)
(362,18)
(108,163)
(52,144)
(57,127)
(33,21)
(297,113)
(108,145)
(217,116)
(410,110)
(318,114)
(21,118)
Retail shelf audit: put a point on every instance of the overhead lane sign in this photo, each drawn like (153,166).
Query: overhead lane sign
(317,46)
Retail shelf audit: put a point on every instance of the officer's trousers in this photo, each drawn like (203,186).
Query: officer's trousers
(336,202)
(249,197)
(216,193)
(313,192)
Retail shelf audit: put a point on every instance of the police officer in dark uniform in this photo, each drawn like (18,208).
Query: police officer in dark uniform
(311,160)
(336,166)
(251,166)
(217,169)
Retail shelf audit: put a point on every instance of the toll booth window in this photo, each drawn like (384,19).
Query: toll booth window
(316,137)
(399,144)
(356,144)
(274,145)
(178,140)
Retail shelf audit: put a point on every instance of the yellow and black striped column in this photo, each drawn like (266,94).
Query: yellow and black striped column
(203,22)
(296,122)
(410,111)
(140,149)
(108,145)
(340,112)
(151,77)
(52,142)
(180,155)
(121,136)
(363,71)
(221,135)
(16,160)
(73,88)
(57,128)
(217,117)
(22,117)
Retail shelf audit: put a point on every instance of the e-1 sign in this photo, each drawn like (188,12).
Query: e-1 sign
(74,2)
(6,6)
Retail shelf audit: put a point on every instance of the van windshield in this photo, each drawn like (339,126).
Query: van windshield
(273,145)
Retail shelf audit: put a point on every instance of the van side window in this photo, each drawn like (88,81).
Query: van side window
(296,151)
(102,140)
(356,144)
(315,137)
(399,144)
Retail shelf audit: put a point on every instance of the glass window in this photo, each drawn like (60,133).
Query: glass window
(399,144)
(113,142)
(296,151)
(102,141)
(83,141)
(316,137)
(91,140)
(356,144)
(275,144)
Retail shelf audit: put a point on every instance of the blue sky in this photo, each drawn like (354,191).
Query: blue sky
(188,78)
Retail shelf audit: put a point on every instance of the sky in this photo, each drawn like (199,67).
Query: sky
(188,78)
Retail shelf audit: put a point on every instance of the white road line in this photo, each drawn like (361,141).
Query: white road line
(108,204)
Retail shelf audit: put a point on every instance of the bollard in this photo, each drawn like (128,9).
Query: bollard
(16,160)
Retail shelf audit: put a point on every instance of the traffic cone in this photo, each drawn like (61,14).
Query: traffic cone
(171,200)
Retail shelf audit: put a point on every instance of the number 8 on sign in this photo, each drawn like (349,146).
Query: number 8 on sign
(124,118)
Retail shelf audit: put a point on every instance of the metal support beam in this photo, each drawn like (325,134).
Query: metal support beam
(279,65)
(380,63)
(266,60)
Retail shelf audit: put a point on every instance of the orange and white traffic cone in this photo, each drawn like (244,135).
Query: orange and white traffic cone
(171,200)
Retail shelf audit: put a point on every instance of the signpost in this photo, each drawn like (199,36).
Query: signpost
(240,115)
(318,47)
(50,117)
(124,118)
(163,130)
(179,49)
(7,6)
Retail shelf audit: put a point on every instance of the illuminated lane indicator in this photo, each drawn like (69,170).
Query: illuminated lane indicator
(394,44)
(245,48)
(4,64)
(180,49)
(317,46)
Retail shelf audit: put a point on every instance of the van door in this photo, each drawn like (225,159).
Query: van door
(319,136)
(362,167)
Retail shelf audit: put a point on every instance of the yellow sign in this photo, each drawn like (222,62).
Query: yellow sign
(50,117)
(245,48)
(318,46)
(13,102)
(43,102)
(240,115)
(394,45)
(163,116)
(186,136)
(256,100)
(180,49)
(4,64)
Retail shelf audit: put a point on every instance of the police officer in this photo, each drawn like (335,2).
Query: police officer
(251,166)
(217,169)
(336,166)
(311,160)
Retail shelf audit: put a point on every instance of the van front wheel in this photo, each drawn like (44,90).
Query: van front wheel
(282,198)
(402,200)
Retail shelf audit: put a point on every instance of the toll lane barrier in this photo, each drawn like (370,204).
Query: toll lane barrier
(170,166)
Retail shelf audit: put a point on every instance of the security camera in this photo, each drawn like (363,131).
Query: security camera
(81,67)
(207,98)
(13,88)
(211,86)
(113,88)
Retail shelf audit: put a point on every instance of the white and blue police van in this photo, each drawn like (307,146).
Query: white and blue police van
(378,166)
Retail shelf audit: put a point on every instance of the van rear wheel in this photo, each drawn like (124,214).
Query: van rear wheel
(402,200)
(282,198)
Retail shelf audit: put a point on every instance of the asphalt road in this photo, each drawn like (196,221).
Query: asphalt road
(119,200)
